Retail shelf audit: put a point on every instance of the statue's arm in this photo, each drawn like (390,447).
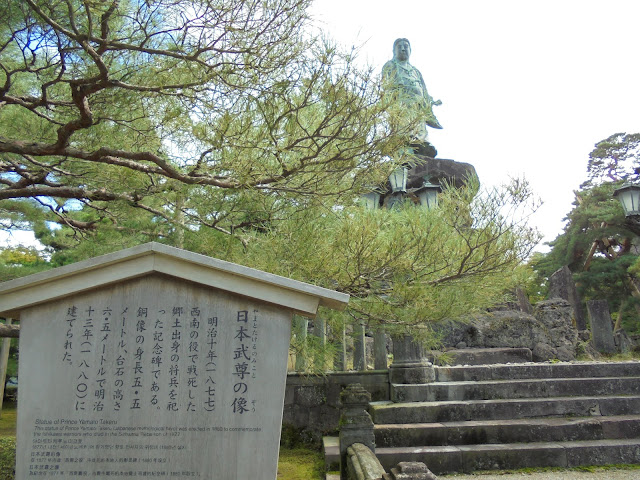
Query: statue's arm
(425,93)
(432,121)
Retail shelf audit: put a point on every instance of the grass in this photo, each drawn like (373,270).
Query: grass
(7,457)
(8,419)
(300,464)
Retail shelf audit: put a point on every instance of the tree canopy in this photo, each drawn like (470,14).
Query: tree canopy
(228,129)
(205,114)
(409,266)
(614,158)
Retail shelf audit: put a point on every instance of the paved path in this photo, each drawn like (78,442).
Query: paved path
(562,475)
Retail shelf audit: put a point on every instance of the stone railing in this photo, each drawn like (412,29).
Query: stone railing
(358,460)
(362,463)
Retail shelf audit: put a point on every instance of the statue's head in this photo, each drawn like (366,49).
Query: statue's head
(401,49)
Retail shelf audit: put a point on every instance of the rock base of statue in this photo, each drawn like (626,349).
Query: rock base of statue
(424,149)
(439,171)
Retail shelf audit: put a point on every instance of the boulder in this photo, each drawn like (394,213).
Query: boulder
(561,285)
(440,171)
(623,342)
(549,332)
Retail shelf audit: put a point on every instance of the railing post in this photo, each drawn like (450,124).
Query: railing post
(340,362)
(356,425)
(359,348)
(380,349)
(4,362)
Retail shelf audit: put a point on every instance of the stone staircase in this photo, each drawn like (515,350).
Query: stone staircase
(487,417)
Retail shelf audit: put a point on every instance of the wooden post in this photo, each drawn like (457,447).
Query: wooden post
(302,323)
(4,362)
(340,363)
(320,330)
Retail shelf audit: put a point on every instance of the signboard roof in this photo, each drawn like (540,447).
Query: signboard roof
(149,258)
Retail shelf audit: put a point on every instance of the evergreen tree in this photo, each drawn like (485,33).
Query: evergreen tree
(598,243)
(200,114)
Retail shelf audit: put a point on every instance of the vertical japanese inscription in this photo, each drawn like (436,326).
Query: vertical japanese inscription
(156,361)
(193,359)
(139,358)
(210,365)
(100,391)
(164,358)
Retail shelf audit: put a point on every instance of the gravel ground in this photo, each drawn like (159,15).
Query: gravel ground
(604,474)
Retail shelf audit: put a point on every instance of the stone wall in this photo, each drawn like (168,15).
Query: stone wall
(312,403)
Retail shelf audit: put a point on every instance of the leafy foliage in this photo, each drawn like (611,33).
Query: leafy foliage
(19,261)
(406,266)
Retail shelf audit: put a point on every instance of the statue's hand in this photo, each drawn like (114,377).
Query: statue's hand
(437,102)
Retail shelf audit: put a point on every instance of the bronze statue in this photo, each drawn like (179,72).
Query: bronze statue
(405,82)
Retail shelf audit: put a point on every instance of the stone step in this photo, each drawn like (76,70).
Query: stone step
(331,448)
(522,388)
(462,373)
(504,409)
(507,431)
(468,458)
(483,356)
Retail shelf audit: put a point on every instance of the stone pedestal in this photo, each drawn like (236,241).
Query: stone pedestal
(356,425)
(409,362)
(601,326)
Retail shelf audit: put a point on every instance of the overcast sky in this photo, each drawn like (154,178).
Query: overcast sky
(528,87)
